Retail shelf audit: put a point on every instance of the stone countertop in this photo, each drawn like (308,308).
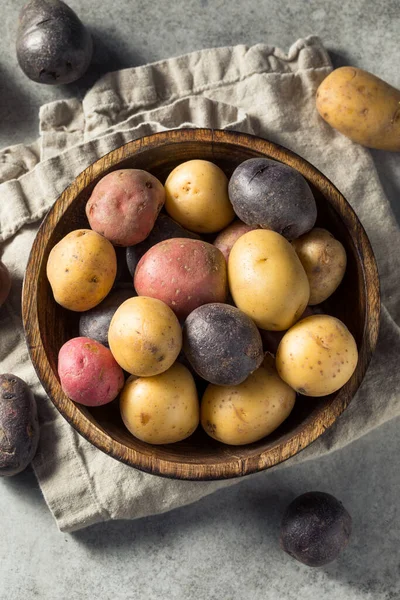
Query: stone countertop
(225,546)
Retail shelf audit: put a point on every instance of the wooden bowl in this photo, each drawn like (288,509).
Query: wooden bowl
(48,325)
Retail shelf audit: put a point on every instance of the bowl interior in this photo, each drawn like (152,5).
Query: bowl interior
(57,325)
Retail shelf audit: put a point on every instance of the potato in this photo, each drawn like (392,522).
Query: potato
(124,206)
(182,273)
(222,344)
(361,106)
(226,238)
(5,283)
(317,356)
(315,529)
(95,323)
(164,228)
(197,196)
(19,426)
(267,280)
(145,336)
(161,409)
(81,269)
(268,194)
(244,413)
(53,46)
(89,374)
(324,261)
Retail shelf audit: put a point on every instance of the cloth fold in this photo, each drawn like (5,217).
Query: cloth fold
(257,90)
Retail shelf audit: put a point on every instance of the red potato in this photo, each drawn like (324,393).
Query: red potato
(89,374)
(124,206)
(5,283)
(183,273)
(226,238)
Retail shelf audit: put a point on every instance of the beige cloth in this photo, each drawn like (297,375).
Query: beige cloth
(258,90)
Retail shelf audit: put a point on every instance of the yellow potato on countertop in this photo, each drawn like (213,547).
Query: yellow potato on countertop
(363,107)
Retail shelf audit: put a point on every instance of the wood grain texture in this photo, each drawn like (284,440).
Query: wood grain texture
(47,325)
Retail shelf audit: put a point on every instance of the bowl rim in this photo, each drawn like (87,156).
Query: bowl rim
(313,426)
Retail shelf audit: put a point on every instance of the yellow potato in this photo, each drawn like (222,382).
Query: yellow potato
(81,269)
(267,280)
(161,409)
(317,356)
(324,261)
(145,336)
(197,196)
(244,413)
(361,106)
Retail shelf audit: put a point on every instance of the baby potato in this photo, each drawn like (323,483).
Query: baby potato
(324,261)
(197,196)
(81,269)
(183,273)
(244,413)
(89,374)
(267,280)
(317,356)
(222,344)
(361,106)
(268,194)
(124,206)
(161,409)
(226,238)
(144,336)
(19,425)
(53,45)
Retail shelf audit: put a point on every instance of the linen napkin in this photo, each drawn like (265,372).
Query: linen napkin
(259,90)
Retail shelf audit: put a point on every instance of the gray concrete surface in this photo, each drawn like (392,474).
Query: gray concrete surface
(226,546)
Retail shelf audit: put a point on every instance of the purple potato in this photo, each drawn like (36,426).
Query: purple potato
(222,344)
(268,194)
(19,426)
(53,45)
(315,529)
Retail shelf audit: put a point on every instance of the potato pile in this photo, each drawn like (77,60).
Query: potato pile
(204,313)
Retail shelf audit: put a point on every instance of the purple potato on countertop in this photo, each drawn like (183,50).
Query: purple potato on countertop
(315,528)
(53,45)
(19,426)
(272,195)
